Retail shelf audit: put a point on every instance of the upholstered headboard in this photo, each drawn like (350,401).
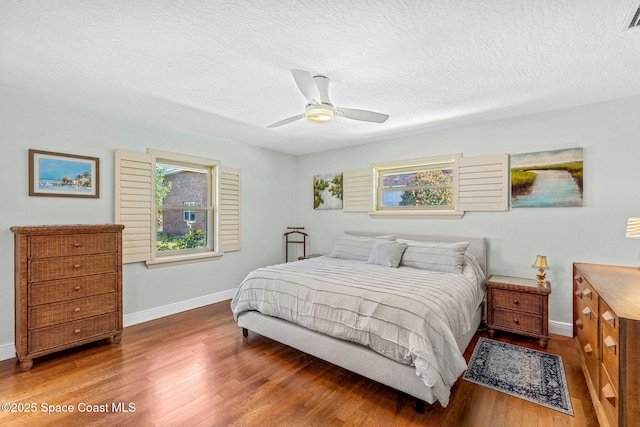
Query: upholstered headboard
(477,245)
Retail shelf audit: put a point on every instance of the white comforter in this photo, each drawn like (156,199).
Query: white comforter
(412,316)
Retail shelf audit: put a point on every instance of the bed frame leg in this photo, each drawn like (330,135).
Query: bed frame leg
(245,332)
(418,405)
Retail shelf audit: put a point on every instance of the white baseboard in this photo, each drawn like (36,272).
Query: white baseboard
(8,351)
(177,307)
(560,328)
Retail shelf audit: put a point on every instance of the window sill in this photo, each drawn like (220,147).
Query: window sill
(417,214)
(167,261)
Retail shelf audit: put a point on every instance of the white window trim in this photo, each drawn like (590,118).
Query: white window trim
(163,259)
(454,212)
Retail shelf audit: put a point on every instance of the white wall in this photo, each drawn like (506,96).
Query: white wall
(33,121)
(609,133)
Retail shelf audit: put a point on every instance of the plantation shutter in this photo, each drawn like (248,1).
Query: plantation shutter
(134,185)
(229,218)
(357,191)
(483,183)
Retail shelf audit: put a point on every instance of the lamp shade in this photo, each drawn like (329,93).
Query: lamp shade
(541,263)
(633,228)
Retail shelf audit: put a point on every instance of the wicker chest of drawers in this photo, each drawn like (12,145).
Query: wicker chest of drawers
(68,287)
(606,314)
(518,305)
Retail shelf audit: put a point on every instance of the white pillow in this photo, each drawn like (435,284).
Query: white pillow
(436,256)
(355,247)
(386,253)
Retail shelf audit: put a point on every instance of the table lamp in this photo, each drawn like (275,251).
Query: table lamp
(541,265)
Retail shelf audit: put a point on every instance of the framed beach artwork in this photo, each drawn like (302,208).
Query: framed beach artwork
(327,191)
(547,178)
(63,175)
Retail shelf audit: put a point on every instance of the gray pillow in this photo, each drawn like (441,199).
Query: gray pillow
(386,254)
(436,256)
(355,247)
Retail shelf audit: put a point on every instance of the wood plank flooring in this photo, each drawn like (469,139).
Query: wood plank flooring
(196,369)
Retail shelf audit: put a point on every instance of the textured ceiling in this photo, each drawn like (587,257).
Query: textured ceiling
(222,68)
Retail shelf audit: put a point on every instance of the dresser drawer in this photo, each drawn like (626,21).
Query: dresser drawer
(59,268)
(587,320)
(585,292)
(68,333)
(589,349)
(66,289)
(67,311)
(517,301)
(74,244)
(609,397)
(517,321)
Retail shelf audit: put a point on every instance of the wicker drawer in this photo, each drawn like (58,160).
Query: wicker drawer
(517,321)
(69,333)
(53,314)
(59,268)
(75,244)
(517,301)
(66,289)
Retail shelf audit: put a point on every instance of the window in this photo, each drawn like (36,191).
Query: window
(432,187)
(152,191)
(179,230)
(189,215)
(416,187)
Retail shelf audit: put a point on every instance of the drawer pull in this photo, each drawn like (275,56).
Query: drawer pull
(588,349)
(76,245)
(609,394)
(579,324)
(588,293)
(579,293)
(77,331)
(611,344)
(77,288)
(578,278)
(76,266)
(516,302)
(610,318)
(77,309)
(516,321)
(587,312)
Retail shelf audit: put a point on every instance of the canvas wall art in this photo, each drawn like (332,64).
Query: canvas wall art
(327,191)
(63,175)
(547,178)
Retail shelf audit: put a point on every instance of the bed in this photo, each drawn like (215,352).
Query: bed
(406,327)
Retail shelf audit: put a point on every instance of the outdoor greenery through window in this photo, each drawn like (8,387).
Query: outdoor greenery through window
(177,228)
(427,186)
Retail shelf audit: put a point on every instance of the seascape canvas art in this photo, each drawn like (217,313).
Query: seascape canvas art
(327,191)
(547,178)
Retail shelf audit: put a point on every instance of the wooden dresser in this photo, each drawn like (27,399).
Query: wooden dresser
(68,287)
(606,314)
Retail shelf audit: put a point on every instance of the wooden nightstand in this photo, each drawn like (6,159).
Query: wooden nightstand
(518,305)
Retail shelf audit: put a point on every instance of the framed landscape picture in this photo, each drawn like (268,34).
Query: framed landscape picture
(63,175)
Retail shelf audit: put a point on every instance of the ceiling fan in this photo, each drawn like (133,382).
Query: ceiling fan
(319,108)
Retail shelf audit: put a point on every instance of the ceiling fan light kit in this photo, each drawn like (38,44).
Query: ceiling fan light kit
(319,108)
(318,113)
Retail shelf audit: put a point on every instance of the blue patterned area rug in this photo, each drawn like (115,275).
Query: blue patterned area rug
(528,374)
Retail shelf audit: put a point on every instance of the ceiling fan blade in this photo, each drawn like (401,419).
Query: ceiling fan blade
(286,121)
(307,86)
(362,115)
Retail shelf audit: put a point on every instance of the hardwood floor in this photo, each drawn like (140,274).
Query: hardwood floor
(196,369)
